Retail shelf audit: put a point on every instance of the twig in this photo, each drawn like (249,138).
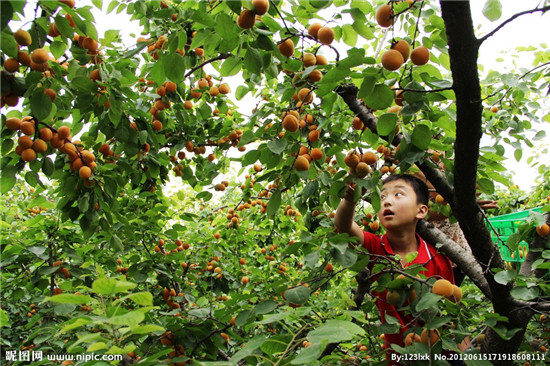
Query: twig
(221,56)
(513,17)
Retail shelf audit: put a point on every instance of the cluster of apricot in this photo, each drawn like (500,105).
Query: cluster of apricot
(36,211)
(428,336)
(168,339)
(448,290)
(61,270)
(370,223)
(31,312)
(247,18)
(233,138)
(393,58)
(167,295)
(325,35)
(359,164)
(180,245)
(233,217)
(80,160)
(220,187)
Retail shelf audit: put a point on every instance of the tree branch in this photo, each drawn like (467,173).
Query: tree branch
(348,92)
(464,260)
(509,20)
(221,56)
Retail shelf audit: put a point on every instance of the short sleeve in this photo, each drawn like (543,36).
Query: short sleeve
(370,241)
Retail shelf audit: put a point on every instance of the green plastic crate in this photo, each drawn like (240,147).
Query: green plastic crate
(506,225)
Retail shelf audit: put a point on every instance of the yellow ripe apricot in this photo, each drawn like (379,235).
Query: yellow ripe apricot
(40,56)
(305,95)
(329,267)
(309,59)
(27,128)
(316,153)
(403,47)
(412,338)
(28,155)
(325,35)
(384,16)
(39,146)
(315,76)
(420,56)
(313,29)
(224,88)
(443,287)
(321,60)
(11,65)
(543,230)
(85,172)
(362,170)
(260,6)
(22,37)
(24,58)
(392,60)
(456,296)
(369,157)
(63,132)
(429,337)
(290,123)
(352,159)
(301,163)
(13,123)
(286,47)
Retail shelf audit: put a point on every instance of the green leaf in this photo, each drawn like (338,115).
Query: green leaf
(96,346)
(142,298)
(265,307)
(309,354)
(518,154)
(58,48)
(381,97)
(274,203)
(251,345)
(504,277)
(110,286)
(367,86)
(174,67)
(525,293)
(41,105)
(421,136)
(231,66)
(277,146)
(116,243)
(8,179)
(83,84)
(492,10)
(335,331)
(297,295)
(386,124)
(252,61)
(69,299)
(146,329)
(427,301)
(76,323)
(8,44)
(349,35)
(47,166)
(4,319)
(131,319)
(346,259)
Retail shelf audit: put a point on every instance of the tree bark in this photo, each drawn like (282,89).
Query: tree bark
(463,51)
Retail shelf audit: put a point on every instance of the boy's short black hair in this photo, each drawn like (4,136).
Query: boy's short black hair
(417,184)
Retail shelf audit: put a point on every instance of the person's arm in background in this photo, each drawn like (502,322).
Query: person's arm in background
(343,219)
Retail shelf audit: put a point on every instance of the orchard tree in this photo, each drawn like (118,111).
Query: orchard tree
(172,202)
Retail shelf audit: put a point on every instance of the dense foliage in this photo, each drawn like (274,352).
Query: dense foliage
(173,201)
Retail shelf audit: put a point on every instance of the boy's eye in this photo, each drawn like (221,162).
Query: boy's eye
(382,196)
(399,194)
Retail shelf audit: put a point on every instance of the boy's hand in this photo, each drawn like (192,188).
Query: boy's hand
(350,191)
(487,204)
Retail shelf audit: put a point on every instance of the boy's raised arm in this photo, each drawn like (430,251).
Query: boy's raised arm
(343,219)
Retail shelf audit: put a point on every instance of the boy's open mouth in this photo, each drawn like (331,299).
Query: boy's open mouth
(387,213)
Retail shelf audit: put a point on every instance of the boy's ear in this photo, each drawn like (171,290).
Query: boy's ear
(422,211)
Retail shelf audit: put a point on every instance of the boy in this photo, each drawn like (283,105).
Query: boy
(404,201)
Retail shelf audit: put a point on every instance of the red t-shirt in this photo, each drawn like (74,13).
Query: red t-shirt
(436,264)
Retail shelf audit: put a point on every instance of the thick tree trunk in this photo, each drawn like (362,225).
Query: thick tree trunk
(463,51)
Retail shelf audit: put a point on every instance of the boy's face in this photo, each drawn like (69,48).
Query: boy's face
(398,207)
